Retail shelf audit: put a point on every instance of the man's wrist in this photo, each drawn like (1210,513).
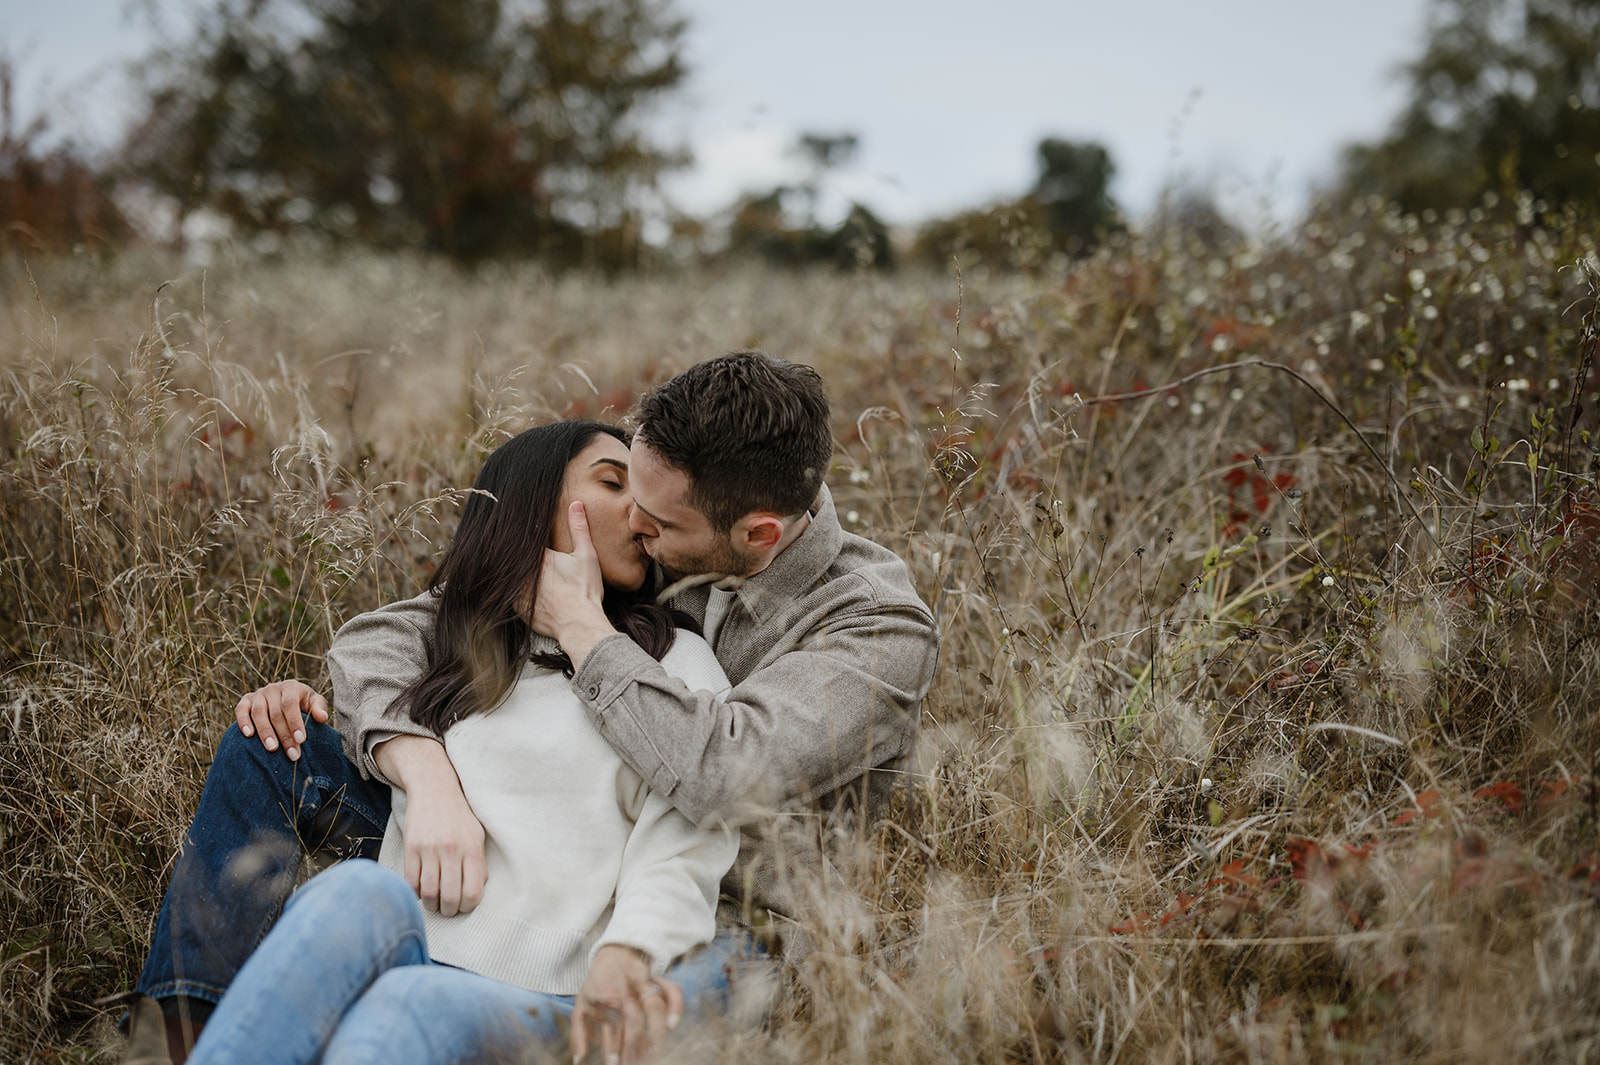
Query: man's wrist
(579,638)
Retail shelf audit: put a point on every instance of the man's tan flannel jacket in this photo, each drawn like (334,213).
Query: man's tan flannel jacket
(829,650)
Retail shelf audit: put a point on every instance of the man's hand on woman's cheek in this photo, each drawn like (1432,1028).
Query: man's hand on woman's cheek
(569,606)
(277,713)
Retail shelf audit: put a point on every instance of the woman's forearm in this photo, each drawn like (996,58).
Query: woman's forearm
(444,859)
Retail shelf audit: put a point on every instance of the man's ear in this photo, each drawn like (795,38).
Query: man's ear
(762,531)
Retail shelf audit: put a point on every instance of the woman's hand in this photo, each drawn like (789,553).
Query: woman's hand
(444,862)
(628,1009)
(275,713)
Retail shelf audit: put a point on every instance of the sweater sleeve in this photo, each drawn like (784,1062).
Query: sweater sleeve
(372,659)
(666,895)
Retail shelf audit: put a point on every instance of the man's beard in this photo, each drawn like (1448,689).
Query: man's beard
(723,560)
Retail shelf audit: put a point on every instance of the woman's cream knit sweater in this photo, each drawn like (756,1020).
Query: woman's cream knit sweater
(580,852)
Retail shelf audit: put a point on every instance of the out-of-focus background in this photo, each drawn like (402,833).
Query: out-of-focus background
(609,133)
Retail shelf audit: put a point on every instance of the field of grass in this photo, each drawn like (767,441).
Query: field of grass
(1265,727)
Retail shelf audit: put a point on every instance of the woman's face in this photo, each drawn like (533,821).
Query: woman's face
(598,478)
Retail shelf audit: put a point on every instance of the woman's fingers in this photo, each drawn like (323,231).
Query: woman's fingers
(614,1033)
(653,1002)
(449,887)
(413,869)
(474,874)
(635,1039)
(672,996)
(428,883)
(580,1030)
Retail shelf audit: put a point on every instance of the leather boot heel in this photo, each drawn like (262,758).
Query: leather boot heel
(147,1034)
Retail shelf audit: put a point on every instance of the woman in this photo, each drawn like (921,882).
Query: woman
(589,871)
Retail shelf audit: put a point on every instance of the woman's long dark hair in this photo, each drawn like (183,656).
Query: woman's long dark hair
(480,639)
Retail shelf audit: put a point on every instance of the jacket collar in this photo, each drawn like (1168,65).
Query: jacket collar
(799,567)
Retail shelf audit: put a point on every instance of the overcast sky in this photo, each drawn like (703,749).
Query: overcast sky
(1252,98)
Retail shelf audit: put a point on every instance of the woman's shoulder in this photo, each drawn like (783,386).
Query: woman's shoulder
(692,661)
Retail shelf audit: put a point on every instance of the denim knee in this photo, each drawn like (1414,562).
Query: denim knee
(441,1015)
(362,887)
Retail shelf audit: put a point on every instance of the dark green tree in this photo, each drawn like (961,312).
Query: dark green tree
(1068,211)
(1505,98)
(761,221)
(469,127)
(1074,188)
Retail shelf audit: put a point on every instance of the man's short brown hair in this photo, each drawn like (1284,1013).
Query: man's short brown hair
(750,431)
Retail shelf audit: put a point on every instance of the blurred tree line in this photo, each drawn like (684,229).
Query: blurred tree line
(1068,211)
(516,128)
(1505,99)
(468,127)
(51,198)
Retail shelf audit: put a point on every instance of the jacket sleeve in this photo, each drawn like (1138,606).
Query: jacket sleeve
(842,701)
(372,659)
(667,887)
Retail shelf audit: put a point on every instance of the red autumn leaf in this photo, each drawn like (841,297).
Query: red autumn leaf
(1491,872)
(1310,862)
(1137,923)
(1553,790)
(1234,872)
(1506,791)
(1263,494)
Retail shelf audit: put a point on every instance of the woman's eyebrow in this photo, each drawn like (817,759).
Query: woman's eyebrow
(623,466)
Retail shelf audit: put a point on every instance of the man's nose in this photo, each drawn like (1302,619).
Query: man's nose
(638,524)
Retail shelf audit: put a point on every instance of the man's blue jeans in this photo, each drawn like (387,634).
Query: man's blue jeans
(345,978)
(258,815)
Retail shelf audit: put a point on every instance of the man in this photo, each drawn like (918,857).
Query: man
(825,641)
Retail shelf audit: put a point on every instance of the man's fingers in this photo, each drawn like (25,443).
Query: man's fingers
(282,736)
(294,730)
(261,719)
(578,522)
(275,713)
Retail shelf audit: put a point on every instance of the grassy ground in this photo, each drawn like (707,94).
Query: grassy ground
(1265,728)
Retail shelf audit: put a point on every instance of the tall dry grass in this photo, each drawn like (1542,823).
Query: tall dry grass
(1256,736)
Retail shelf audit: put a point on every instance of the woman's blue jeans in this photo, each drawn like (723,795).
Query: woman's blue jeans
(259,814)
(345,978)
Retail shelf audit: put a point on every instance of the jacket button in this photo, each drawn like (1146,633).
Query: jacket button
(594,691)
